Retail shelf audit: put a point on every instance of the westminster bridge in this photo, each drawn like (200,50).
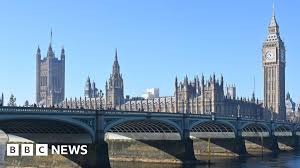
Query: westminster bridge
(124,134)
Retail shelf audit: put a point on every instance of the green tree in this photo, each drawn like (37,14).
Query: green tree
(12,101)
(26,104)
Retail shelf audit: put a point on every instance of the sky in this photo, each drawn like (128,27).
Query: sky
(156,41)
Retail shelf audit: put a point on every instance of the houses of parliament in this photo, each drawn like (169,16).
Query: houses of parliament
(196,96)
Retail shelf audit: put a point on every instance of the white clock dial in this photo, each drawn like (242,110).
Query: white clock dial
(269,55)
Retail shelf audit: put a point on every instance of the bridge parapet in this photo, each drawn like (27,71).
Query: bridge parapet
(7,109)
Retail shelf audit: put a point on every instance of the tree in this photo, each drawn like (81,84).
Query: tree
(12,101)
(26,104)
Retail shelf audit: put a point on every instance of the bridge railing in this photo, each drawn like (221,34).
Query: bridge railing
(8,109)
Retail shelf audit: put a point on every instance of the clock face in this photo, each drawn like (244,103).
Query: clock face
(269,56)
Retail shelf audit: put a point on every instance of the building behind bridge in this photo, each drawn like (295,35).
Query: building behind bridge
(204,96)
(90,90)
(2,100)
(50,77)
(190,96)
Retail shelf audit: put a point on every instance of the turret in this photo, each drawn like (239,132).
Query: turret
(50,77)
(2,100)
(38,74)
(115,87)
(94,90)
(273,26)
(62,55)
(288,96)
(87,89)
(116,66)
(93,85)
(186,81)
(222,81)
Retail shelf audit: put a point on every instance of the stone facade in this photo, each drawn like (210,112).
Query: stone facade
(190,96)
(2,100)
(206,96)
(273,57)
(50,77)
(292,109)
(114,87)
(231,91)
(198,98)
(90,90)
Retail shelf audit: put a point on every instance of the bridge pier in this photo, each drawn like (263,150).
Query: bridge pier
(291,142)
(98,151)
(220,146)
(239,146)
(187,155)
(262,144)
(98,155)
(162,151)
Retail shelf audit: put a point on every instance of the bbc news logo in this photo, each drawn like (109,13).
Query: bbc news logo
(44,150)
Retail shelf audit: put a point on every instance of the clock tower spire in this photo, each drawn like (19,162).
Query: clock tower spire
(273,58)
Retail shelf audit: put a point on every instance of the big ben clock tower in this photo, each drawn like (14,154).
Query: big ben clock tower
(273,57)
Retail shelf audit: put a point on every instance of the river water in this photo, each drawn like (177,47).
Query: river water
(282,160)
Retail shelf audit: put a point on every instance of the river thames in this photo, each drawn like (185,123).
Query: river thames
(282,160)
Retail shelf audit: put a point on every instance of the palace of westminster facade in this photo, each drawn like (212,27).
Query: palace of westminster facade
(196,96)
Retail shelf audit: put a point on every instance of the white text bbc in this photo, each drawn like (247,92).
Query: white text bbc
(42,149)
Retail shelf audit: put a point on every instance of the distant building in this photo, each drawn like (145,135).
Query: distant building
(114,88)
(297,111)
(90,90)
(290,104)
(231,91)
(292,111)
(2,100)
(151,93)
(50,77)
(274,61)
(206,96)
(198,97)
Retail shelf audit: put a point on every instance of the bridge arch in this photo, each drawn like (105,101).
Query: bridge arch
(139,127)
(297,130)
(34,125)
(283,127)
(255,130)
(283,130)
(212,129)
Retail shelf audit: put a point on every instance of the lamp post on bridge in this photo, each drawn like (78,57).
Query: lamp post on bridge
(101,96)
(99,149)
(238,112)
(272,115)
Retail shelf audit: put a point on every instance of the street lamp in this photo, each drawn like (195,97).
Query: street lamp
(272,115)
(238,111)
(101,96)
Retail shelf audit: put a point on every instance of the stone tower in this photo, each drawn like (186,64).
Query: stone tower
(114,87)
(273,57)
(2,100)
(90,90)
(50,77)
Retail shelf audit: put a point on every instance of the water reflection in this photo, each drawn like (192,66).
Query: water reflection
(283,160)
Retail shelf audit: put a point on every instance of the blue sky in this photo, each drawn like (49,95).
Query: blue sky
(156,41)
